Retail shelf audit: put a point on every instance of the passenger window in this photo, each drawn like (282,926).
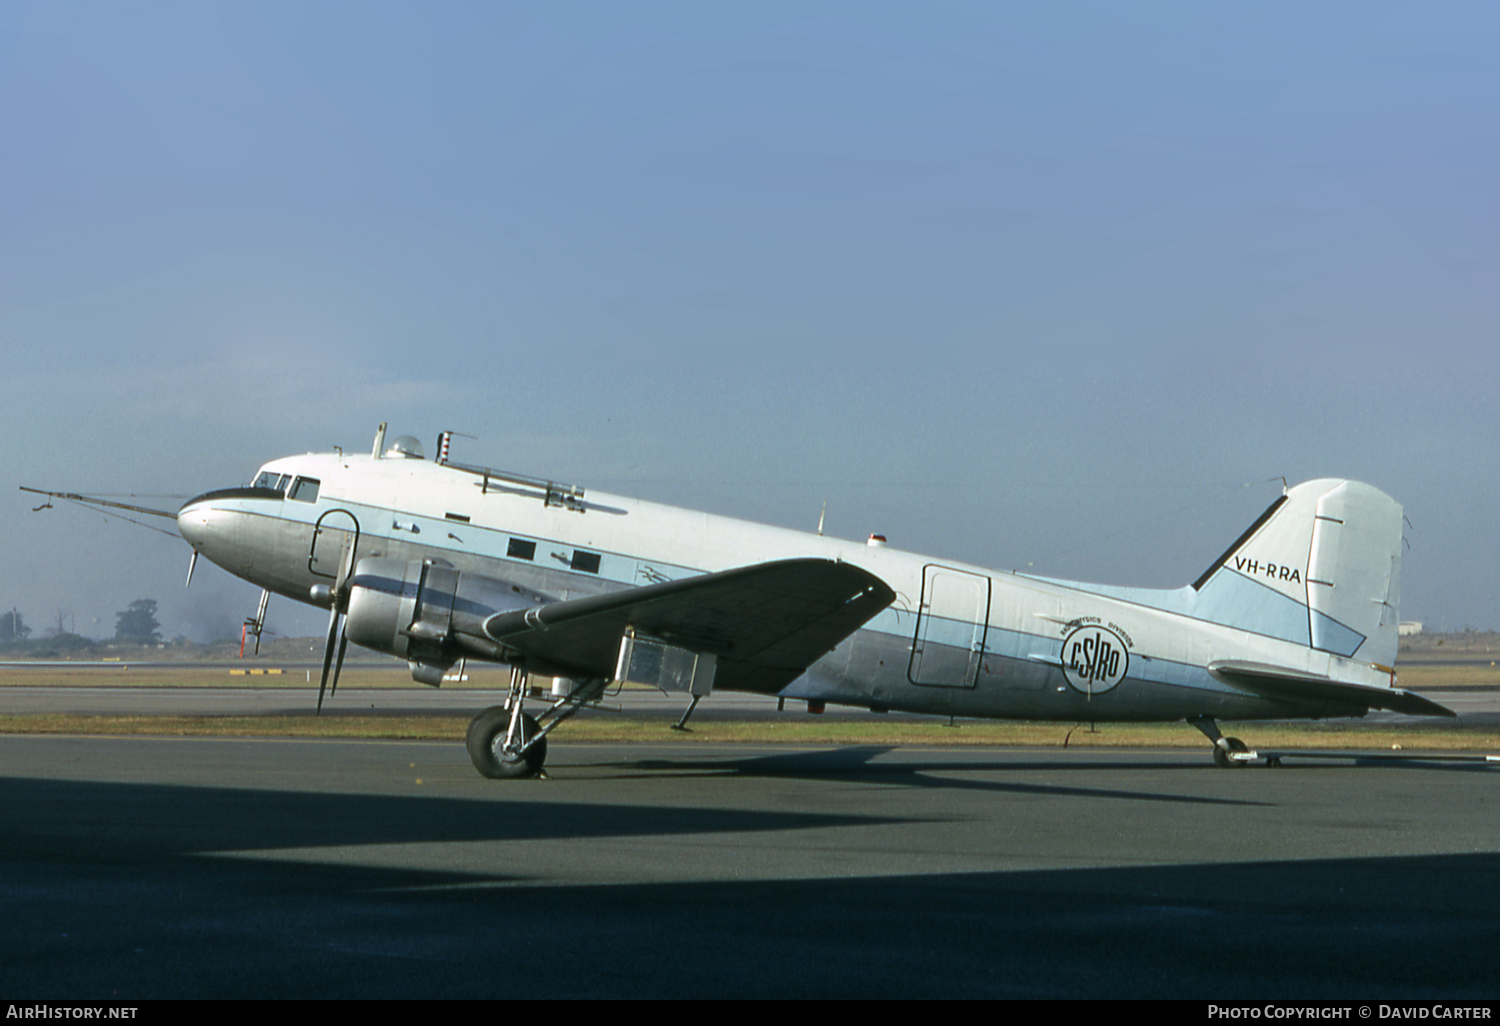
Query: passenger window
(305,489)
(521,549)
(588,562)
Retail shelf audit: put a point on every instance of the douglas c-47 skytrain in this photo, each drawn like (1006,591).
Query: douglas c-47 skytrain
(436,561)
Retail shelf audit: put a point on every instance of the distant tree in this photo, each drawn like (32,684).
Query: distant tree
(12,627)
(137,622)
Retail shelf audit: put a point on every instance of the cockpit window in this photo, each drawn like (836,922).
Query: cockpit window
(305,489)
(270,480)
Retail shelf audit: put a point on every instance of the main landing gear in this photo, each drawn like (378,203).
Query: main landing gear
(507,743)
(1229,752)
(499,753)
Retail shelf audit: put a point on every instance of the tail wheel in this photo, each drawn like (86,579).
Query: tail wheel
(1222,750)
(486,742)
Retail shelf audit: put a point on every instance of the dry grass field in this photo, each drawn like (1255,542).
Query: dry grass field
(1418,674)
(793,728)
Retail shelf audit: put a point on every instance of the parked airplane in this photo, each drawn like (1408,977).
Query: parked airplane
(436,561)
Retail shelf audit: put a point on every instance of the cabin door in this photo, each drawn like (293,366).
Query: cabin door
(334,542)
(952,623)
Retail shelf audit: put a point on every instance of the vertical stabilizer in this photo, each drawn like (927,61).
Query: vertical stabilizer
(1321,568)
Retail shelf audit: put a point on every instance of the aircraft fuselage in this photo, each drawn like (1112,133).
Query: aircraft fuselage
(957,640)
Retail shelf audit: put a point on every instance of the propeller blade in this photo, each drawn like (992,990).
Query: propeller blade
(333,633)
(336,621)
(338,666)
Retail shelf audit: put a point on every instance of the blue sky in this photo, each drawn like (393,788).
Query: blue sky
(1067,285)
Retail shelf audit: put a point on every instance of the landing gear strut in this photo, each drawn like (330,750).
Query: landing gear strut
(1229,752)
(506,743)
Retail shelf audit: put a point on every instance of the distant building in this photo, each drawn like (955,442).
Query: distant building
(1409,628)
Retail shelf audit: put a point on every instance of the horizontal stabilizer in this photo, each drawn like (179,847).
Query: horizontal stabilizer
(1290,685)
(767,623)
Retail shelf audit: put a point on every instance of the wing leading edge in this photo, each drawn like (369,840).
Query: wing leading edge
(767,623)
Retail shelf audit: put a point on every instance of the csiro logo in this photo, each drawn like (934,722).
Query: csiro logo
(1094,658)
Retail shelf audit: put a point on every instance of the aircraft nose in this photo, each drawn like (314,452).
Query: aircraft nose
(193,521)
(217,525)
(210,524)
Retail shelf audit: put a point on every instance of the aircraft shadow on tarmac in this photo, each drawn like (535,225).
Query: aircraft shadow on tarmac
(127,821)
(855,764)
(859,764)
(116,819)
(123,821)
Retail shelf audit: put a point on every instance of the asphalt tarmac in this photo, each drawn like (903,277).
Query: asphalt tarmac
(204,867)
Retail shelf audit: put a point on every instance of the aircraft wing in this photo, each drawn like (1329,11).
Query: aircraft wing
(767,623)
(1298,686)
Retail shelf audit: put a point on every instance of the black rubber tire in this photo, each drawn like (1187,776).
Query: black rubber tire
(486,734)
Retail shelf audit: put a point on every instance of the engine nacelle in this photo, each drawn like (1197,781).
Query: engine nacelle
(427,612)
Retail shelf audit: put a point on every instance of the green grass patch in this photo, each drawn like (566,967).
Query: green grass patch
(1418,677)
(801,730)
